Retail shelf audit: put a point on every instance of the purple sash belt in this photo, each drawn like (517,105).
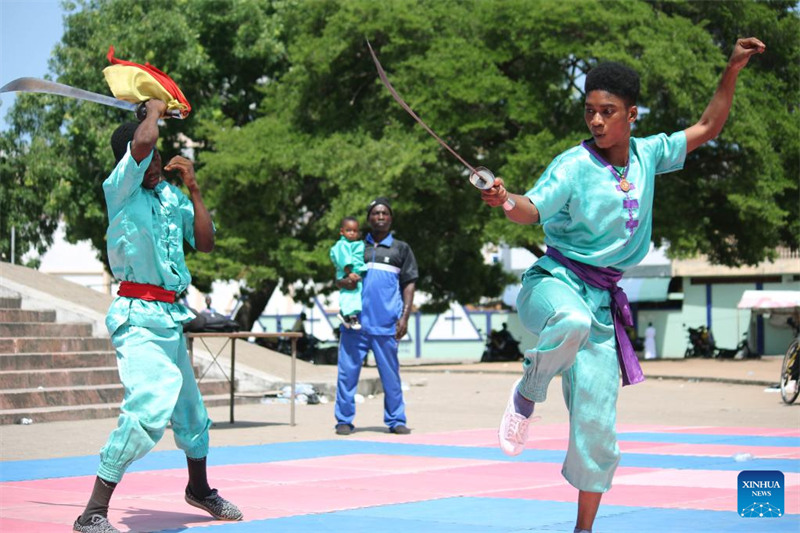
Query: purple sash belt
(606,279)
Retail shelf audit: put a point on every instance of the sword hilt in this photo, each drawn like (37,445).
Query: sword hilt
(141,112)
(482,178)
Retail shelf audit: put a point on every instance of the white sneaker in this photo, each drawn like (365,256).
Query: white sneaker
(513,433)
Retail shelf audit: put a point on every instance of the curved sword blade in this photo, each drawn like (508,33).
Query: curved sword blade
(35,85)
(480,177)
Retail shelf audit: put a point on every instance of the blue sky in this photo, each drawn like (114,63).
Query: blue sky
(29,29)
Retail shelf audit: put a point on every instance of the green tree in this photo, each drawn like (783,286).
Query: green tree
(57,150)
(293,130)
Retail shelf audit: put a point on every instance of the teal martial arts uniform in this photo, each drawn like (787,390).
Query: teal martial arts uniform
(145,245)
(589,218)
(343,254)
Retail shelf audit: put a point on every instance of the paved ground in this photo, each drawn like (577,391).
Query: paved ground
(684,441)
(458,397)
(686,434)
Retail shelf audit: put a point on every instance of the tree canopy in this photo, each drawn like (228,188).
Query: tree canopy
(292,130)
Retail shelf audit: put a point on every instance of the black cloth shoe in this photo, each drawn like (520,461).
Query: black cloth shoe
(97,524)
(400,430)
(215,505)
(344,429)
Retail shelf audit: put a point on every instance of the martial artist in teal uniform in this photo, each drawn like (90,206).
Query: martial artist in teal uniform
(148,221)
(594,202)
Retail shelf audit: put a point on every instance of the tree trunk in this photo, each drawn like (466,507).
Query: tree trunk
(254,303)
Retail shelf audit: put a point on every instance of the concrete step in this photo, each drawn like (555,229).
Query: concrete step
(43,329)
(59,396)
(63,377)
(52,414)
(58,377)
(61,360)
(39,415)
(81,395)
(26,315)
(9,302)
(44,344)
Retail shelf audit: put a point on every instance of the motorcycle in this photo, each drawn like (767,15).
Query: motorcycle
(701,343)
(501,346)
(742,351)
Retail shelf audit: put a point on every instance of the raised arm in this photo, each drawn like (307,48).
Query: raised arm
(523,210)
(715,115)
(146,135)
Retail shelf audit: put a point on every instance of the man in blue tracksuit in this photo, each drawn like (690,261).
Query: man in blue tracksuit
(387,294)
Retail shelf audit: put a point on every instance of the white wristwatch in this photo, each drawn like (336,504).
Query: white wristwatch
(509,204)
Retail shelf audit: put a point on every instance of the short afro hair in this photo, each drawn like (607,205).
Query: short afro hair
(120,139)
(615,78)
(347,219)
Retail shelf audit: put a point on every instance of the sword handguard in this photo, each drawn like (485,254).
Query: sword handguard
(482,178)
(141,112)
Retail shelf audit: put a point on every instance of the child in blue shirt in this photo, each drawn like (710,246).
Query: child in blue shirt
(347,256)
(594,202)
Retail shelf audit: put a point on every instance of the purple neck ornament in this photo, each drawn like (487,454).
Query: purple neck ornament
(623,185)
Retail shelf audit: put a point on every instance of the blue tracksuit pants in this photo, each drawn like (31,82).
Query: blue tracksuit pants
(353,348)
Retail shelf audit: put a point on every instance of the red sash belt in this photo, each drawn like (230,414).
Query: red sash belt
(143,291)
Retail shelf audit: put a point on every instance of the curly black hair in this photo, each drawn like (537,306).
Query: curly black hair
(121,137)
(615,78)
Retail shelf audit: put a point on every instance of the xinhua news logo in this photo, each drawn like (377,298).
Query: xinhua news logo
(761,494)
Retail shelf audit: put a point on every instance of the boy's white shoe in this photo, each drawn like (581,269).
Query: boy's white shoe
(513,433)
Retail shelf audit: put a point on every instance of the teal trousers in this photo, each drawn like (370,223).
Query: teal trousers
(350,301)
(576,340)
(160,388)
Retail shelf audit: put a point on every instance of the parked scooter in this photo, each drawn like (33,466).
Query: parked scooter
(701,342)
(742,351)
(501,346)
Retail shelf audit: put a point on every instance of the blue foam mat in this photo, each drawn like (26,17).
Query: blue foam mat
(495,515)
(287,451)
(704,438)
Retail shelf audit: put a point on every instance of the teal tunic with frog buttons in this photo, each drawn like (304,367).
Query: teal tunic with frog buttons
(585,214)
(145,237)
